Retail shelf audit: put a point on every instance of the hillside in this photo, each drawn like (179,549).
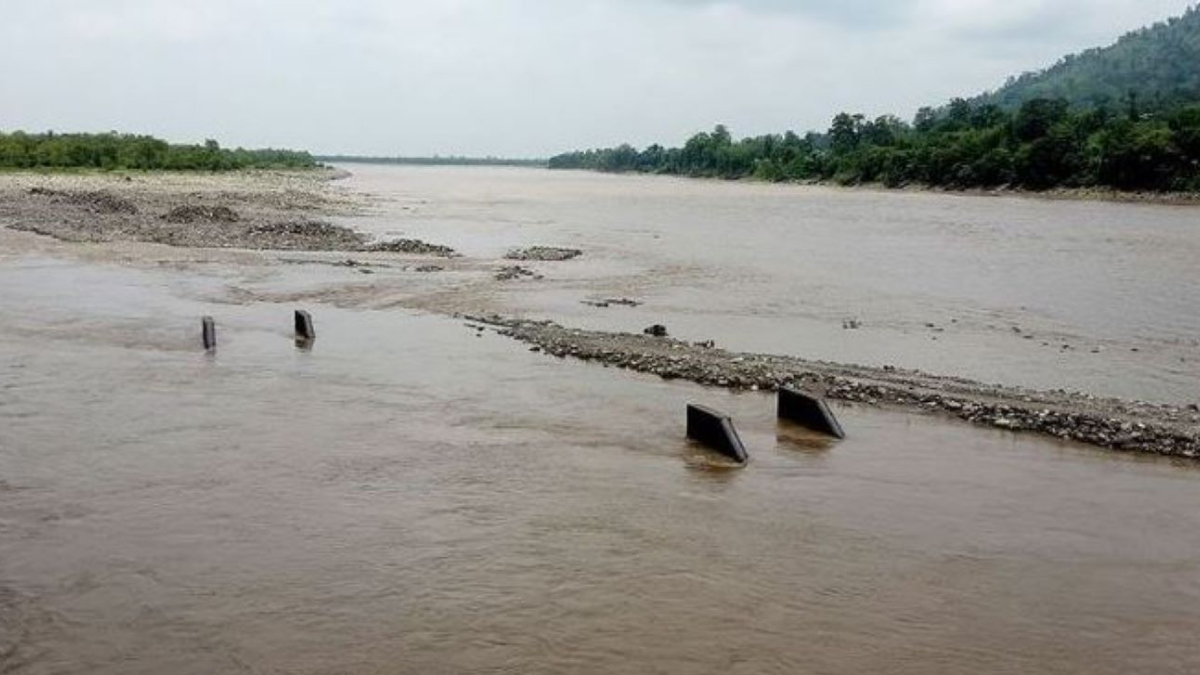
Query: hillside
(1126,117)
(1159,65)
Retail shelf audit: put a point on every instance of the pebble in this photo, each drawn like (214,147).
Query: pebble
(543,253)
(515,272)
(413,246)
(1076,417)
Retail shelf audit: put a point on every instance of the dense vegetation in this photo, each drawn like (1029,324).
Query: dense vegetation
(19,150)
(436,160)
(1157,66)
(1126,117)
(1045,144)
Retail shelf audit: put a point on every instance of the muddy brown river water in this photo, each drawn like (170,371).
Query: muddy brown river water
(409,496)
(1094,296)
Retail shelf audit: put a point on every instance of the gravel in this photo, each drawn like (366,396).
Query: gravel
(306,235)
(415,247)
(285,211)
(1132,426)
(610,302)
(252,210)
(515,272)
(543,253)
(92,201)
(191,213)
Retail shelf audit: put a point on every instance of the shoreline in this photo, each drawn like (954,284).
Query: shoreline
(1099,195)
(1093,194)
(256,209)
(1114,424)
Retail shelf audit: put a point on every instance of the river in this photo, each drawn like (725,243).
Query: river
(988,288)
(409,495)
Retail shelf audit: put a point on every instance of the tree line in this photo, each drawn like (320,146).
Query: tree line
(1043,144)
(112,151)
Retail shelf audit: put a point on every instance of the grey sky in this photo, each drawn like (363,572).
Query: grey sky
(515,77)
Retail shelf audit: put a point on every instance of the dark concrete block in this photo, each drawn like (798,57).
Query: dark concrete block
(715,430)
(304,325)
(808,411)
(208,333)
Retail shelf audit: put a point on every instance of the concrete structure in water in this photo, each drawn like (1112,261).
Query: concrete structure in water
(304,326)
(208,333)
(715,430)
(808,411)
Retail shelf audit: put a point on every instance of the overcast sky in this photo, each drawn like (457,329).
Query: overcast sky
(516,77)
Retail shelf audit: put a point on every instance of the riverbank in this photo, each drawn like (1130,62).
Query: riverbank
(1089,194)
(265,210)
(1093,194)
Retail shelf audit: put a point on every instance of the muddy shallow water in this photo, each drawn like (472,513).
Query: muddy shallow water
(408,496)
(1093,296)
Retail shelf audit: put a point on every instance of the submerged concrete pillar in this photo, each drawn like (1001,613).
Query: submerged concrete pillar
(304,326)
(208,333)
(808,411)
(715,430)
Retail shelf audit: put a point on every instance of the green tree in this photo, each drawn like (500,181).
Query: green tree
(845,132)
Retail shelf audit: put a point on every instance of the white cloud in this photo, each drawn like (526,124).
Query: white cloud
(515,77)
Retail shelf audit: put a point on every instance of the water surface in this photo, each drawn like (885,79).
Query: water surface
(1092,296)
(407,496)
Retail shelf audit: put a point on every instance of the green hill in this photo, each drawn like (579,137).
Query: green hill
(1159,66)
(1126,117)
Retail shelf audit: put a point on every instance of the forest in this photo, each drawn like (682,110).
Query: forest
(1044,144)
(112,151)
(1125,117)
